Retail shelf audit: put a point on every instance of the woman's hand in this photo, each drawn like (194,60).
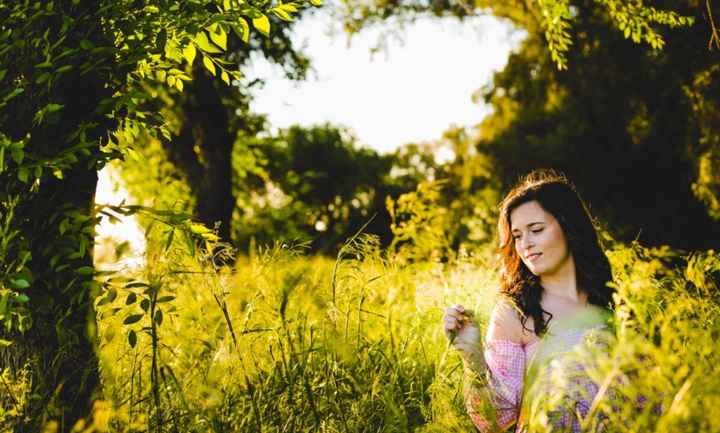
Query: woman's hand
(462,331)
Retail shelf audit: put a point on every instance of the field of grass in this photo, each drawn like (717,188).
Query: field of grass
(284,342)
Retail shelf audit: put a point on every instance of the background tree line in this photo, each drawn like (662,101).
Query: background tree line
(634,126)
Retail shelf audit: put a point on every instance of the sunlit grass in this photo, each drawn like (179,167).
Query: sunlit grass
(355,345)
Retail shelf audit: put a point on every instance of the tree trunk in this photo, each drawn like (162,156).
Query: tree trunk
(203,152)
(55,359)
(58,352)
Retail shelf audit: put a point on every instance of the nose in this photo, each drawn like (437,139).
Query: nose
(526,243)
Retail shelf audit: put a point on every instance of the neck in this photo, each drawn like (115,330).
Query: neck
(563,283)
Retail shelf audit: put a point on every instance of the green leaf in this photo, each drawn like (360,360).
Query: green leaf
(133,318)
(22,298)
(262,24)
(145,304)
(131,298)
(17,155)
(85,270)
(51,108)
(158,317)
(132,338)
(282,14)
(189,53)
(204,43)
(317,3)
(288,7)
(15,93)
(108,298)
(23,174)
(5,343)
(242,30)
(20,283)
(169,239)
(198,228)
(209,65)
(218,35)
(225,77)
(162,299)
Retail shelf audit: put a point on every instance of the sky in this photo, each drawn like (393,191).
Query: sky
(410,92)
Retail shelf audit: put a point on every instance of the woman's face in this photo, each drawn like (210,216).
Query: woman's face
(539,240)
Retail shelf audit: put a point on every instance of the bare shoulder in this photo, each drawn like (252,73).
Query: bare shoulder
(505,322)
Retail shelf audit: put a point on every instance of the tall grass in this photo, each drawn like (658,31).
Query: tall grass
(283,342)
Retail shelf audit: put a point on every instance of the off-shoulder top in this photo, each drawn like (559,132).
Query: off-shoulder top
(516,372)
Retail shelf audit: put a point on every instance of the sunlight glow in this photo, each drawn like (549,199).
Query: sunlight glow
(110,253)
(412,91)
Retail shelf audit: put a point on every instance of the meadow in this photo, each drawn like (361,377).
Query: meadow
(286,342)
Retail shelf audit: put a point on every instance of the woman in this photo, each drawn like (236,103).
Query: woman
(554,294)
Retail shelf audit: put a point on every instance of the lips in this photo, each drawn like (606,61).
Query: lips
(532,257)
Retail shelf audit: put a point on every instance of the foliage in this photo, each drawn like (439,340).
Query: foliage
(73,95)
(636,20)
(152,42)
(454,200)
(289,342)
(621,144)
(212,128)
(654,375)
(419,223)
(284,353)
(625,145)
(701,94)
(320,185)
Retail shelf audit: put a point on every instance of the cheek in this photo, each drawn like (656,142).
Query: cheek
(560,246)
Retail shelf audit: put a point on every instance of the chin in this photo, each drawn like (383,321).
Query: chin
(533,270)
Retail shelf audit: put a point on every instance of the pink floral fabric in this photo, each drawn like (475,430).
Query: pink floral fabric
(506,362)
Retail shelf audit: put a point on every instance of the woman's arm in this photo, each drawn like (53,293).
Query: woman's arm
(494,370)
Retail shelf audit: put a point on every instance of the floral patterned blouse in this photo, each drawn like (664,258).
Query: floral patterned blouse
(517,372)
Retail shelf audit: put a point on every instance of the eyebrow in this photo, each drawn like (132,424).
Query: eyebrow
(528,225)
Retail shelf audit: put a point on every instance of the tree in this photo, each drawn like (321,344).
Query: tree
(321,186)
(619,122)
(553,18)
(634,123)
(73,75)
(213,121)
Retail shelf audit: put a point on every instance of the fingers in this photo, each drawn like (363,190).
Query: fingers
(459,312)
(455,318)
(452,324)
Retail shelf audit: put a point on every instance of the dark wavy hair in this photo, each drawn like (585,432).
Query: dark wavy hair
(557,196)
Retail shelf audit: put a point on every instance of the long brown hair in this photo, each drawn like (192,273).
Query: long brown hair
(557,196)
